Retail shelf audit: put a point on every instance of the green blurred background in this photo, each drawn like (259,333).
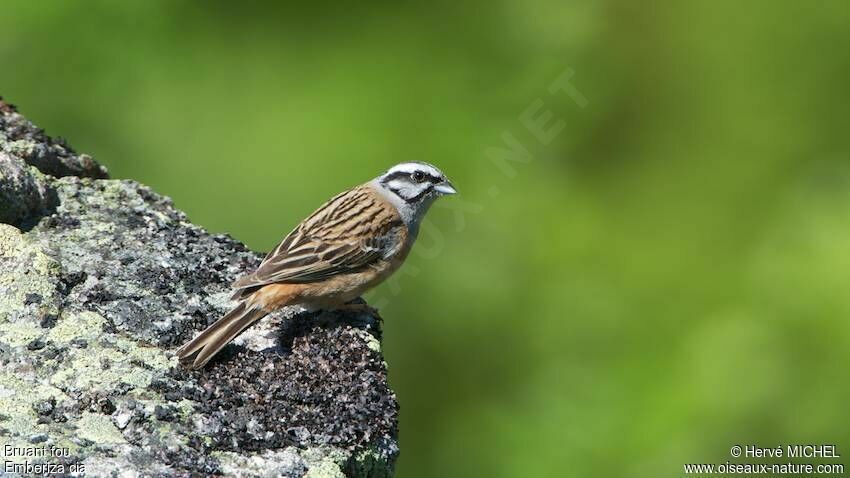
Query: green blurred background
(668,277)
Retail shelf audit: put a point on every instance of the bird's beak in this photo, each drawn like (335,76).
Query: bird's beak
(445,187)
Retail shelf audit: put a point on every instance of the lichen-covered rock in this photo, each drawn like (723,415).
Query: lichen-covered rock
(100,280)
(51,156)
(23,195)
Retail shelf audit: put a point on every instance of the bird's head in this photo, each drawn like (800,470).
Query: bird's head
(412,187)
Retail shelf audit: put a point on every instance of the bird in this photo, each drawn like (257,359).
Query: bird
(347,246)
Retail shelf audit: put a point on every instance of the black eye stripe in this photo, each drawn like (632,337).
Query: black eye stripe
(403,174)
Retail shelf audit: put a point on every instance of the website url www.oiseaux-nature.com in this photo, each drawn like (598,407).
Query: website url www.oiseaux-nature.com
(763,468)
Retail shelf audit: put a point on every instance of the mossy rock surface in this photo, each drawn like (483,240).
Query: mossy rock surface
(101,279)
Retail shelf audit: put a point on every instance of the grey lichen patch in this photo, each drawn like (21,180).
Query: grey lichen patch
(25,272)
(85,326)
(16,334)
(326,462)
(319,462)
(98,289)
(106,361)
(325,469)
(18,394)
(86,369)
(21,147)
(336,462)
(98,429)
(371,341)
(124,464)
(285,462)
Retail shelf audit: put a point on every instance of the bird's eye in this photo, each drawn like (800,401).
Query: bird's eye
(418,176)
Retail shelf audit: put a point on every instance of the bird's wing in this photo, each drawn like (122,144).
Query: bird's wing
(350,232)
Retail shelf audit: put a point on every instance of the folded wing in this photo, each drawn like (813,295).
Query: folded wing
(352,231)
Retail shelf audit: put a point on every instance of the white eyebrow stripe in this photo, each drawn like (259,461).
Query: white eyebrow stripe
(411,167)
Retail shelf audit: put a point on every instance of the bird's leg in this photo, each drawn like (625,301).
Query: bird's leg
(361,307)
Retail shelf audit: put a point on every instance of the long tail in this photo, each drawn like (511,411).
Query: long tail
(216,336)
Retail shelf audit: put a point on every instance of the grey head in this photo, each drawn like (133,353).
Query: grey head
(412,187)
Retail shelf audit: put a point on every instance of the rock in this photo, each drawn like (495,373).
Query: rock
(100,280)
(24,140)
(24,195)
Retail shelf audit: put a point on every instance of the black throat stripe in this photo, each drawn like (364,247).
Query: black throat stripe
(419,196)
